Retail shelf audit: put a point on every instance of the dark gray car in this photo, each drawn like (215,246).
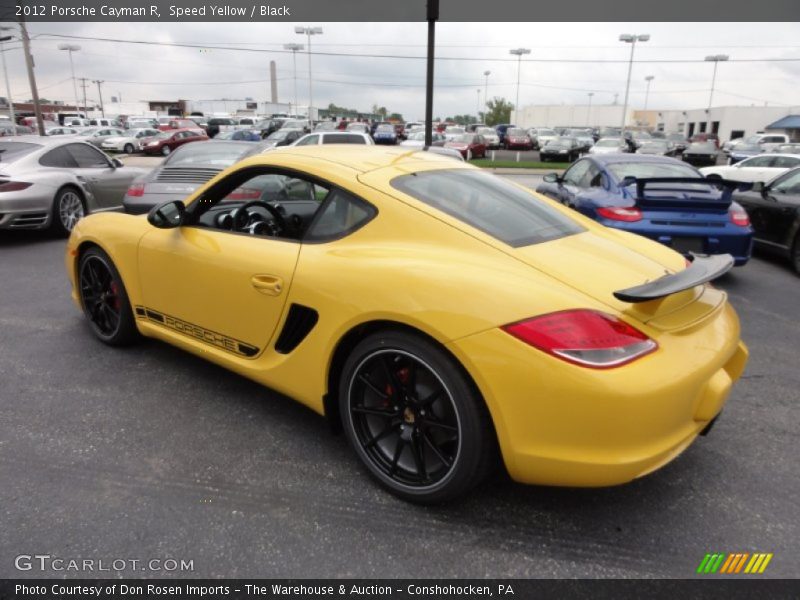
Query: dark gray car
(52,182)
(183,171)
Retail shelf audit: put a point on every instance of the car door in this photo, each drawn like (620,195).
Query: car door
(220,287)
(570,183)
(774,212)
(107,183)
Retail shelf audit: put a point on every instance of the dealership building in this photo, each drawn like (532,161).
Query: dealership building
(726,121)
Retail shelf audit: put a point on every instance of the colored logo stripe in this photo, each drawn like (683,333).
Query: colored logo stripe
(734,563)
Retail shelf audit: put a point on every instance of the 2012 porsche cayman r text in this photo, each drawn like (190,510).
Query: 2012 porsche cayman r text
(444,317)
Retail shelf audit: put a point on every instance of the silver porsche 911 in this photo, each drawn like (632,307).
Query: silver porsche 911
(52,182)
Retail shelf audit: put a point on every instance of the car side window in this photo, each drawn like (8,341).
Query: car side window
(342,213)
(758,161)
(786,162)
(59,158)
(576,172)
(593,177)
(788,184)
(309,141)
(87,157)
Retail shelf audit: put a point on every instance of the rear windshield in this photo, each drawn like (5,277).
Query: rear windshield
(210,154)
(488,203)
(646,170)
(11,151)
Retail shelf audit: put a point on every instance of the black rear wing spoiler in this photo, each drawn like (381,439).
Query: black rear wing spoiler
(726,185)
(702,270)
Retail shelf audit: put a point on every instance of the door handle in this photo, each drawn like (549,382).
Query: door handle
(267,284)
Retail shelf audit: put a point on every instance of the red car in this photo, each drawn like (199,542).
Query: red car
(516,138)
(167,141)
(179,124)
(470,145)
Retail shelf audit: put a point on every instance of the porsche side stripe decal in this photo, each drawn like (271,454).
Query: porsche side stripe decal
(212,338)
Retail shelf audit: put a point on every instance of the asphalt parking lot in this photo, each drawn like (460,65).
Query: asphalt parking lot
(148,452)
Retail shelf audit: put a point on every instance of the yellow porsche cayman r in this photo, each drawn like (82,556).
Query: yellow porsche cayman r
(442,315)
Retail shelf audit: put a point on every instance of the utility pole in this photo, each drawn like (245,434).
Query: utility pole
(100,93)
(8,85)
(83,85)
(26,44)
(432,14)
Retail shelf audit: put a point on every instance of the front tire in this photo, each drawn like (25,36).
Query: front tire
(165,150)
(68,209)
(128,149)
(414,419)
(104,299)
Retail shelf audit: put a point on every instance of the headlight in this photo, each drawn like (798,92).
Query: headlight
(153,144)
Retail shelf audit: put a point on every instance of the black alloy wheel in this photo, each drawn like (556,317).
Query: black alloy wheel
(414,419)
(105,300)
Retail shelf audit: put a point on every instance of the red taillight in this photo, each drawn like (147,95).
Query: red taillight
(244,194)
(584,337)
(621,213)
(136,190)
(14,186)
(738,216)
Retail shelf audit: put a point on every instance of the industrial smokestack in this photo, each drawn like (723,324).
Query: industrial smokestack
(273,79)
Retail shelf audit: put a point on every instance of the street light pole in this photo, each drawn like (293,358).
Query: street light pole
(518,52)
(478,105)
(716,59)
(308,32)
(72,48)
(631,39)
(294,48)
(648,79)
(8,85)
(589,111)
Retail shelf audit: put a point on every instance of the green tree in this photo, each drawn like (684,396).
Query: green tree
(499,111)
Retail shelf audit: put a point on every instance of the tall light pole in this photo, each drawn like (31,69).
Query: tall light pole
(716,59)
(630,38)
(309,31)
(72,48)
(486,88)
(294,48)
(7,38)
(589,111)
(518,52)
(648,79)
(478,105)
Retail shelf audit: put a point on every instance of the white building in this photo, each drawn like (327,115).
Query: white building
(726,121)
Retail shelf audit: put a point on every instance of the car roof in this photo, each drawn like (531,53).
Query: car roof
(49,140)
(607,159)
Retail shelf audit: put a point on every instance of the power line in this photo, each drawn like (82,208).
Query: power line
(413,57)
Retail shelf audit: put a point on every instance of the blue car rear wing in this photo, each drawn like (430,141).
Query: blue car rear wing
(726,185)
(701,270)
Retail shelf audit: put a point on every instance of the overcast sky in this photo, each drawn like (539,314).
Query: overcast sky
(150,72)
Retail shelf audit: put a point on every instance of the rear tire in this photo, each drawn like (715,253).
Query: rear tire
(68,209)
(104,299)
(128,149)
(414,419)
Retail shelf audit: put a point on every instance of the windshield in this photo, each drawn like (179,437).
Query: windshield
(644,170)
(11,151)
(557,142)
(467,138)
(417,136)
(488,203)
(676,137)
(486,131)
(220,155)
(87,132)
(164,120)
(703,147)
(608,143)
(657,144)
(454,130)
(542,132)
(278,135)
(385,128)
(516,132)
(748,148)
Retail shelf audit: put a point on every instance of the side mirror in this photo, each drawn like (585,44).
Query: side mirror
(551,178)
(759,187)
(117,163)
(167,215)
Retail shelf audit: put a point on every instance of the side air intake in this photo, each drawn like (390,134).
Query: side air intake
(299,323)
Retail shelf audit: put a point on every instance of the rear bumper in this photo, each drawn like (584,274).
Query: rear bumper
(27,209)
(558,424)
(727,239)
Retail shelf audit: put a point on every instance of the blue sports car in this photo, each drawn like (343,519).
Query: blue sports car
(661,198)
(385,133)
